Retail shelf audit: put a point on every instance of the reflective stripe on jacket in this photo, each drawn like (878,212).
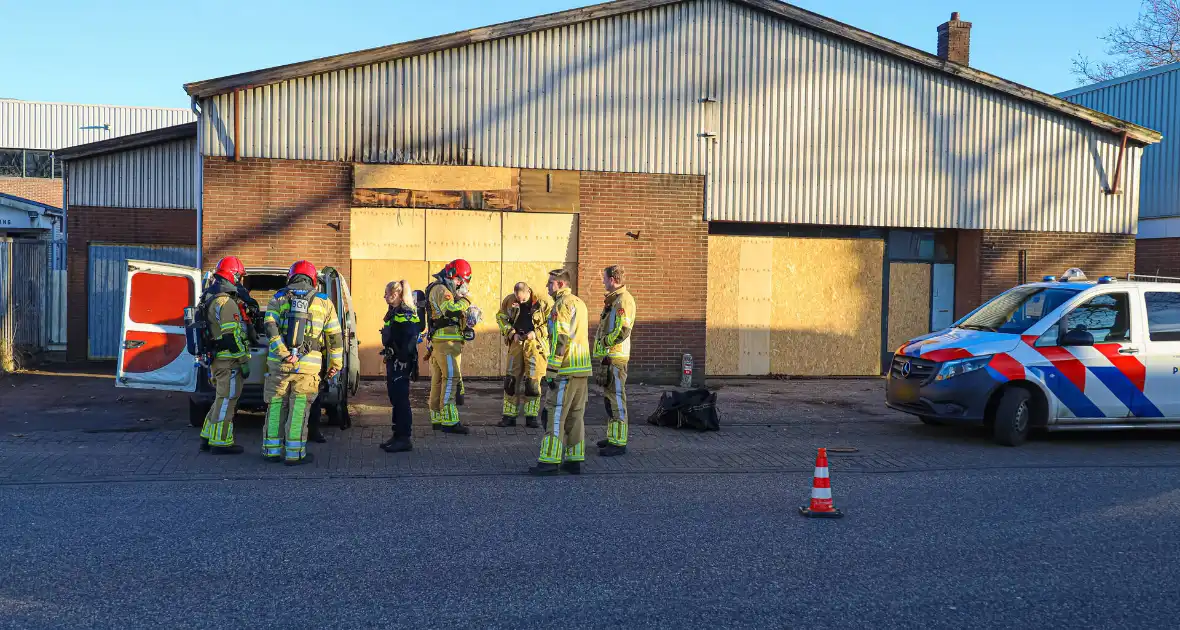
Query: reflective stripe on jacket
(569,343)
(225,318)
(613,337)
(323,324)
(440,303)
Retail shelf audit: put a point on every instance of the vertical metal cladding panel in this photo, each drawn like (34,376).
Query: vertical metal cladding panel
(6,316)
(1152,101)
(107,284)
(32,125)
(157,176)
(809,128)
(29,290)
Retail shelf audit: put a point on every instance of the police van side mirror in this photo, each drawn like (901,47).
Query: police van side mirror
(1077,337)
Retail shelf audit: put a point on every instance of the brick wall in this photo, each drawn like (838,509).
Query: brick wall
(1158,257)
(112,225)
(35,188)
(1050,253)
(274,212)
(667,266)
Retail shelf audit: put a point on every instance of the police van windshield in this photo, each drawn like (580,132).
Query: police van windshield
(1015,311)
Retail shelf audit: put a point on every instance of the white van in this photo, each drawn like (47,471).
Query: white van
(1066,354)
(154,355)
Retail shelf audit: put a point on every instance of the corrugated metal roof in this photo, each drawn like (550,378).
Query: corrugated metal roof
(807,127)
(1150,98)
(52,126)
(573,17)
(161,175)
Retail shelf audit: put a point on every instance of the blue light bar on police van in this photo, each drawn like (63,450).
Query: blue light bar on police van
(1105,280)
(1049,279)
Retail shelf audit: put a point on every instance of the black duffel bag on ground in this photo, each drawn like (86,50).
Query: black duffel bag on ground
(692,409)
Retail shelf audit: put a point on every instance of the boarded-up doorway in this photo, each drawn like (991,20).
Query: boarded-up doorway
(794,306)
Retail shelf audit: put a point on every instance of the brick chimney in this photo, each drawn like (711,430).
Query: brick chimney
(954,40)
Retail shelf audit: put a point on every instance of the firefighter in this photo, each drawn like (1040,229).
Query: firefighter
(523,318)
(612,350)
(567,374)
(301,325)
(399,337)
(447,310)
(224,307)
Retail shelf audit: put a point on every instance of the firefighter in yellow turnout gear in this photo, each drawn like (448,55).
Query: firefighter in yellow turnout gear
(523,320)
(447,312)
(302,326)
(567,373)
(612,350)
(231,358)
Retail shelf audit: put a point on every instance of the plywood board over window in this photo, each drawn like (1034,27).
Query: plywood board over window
(369,278)
(482,356)
(429,186)
(827,317)
(468,234)
(909,302)
(794,306)
(388,234)
(539,236)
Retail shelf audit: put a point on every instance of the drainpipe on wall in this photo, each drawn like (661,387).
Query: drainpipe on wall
(200,176)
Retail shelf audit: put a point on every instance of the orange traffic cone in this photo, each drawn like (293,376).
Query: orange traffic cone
(821,491)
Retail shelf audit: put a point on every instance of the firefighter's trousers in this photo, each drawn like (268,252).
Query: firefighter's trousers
(445,381)
(566,436)
(226,375)
(615,394)
(289,396)
(522,380)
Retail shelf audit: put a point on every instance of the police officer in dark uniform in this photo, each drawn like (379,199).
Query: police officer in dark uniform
(399,336)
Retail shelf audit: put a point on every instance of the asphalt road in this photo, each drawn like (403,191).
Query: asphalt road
(964,549)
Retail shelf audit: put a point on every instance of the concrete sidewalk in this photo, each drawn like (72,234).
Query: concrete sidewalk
(77,427)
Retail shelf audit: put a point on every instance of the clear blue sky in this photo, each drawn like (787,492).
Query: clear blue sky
(140,52)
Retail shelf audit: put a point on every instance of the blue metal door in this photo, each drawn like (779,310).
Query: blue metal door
(106,286)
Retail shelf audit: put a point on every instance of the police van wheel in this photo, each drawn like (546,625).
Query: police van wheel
(197,413)
(1013,417)
(934,422)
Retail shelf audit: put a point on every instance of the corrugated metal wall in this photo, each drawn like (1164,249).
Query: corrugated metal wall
(32,293)
(157,176)
(1151,101)
(809,128)
(108,284)
(31,125)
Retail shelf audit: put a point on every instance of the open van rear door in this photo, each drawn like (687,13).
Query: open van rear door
(153,354)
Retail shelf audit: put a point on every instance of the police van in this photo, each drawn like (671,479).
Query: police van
(1063,354)
(154,352)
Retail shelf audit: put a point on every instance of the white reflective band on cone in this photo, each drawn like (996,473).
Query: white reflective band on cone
(821,493)
(822,473)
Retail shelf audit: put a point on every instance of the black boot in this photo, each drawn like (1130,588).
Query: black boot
(456,428)
(273,459)
(610,450)
(232,449)
(573,468)
(316,436)
(603,443)
(531,422)
(306,459)
(204,444)
(387,442)
(544,470)
(507,421)
(397,445)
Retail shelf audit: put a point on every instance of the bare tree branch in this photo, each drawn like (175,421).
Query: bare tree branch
(1153,40)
